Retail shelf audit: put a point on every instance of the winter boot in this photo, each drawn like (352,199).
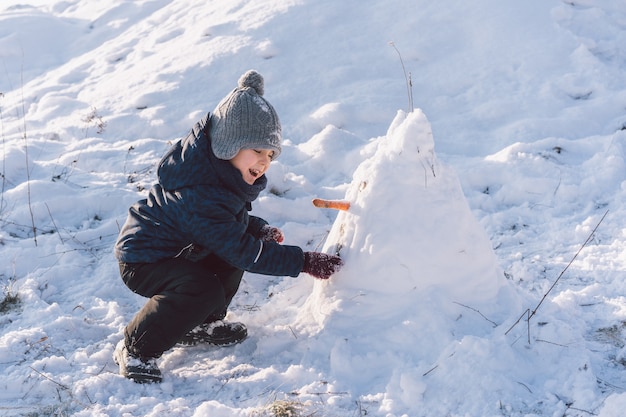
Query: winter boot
(218,333)
(140,370)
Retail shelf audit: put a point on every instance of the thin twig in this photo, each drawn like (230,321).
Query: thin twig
(525,313)
(478,311)
(3,173)
(528,326)
(568,265)
(54,224)
(407,78)
(30,207)
(50,379)
(530,313)
(292,332)
(551,343)
(430,370)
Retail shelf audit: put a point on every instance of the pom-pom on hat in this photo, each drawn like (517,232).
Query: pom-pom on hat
(245,120)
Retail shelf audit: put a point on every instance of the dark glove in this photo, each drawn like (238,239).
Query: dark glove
(271,234)
(321,265)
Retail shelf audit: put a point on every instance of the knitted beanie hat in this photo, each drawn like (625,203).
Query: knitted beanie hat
(245,120)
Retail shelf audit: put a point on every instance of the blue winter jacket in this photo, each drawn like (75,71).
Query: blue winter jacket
(198,207)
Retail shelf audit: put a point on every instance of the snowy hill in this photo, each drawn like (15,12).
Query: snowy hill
(464,212)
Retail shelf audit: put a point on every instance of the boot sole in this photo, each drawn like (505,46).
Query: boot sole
(231,341)
(138,377)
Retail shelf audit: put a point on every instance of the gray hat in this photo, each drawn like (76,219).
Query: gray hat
(245,120)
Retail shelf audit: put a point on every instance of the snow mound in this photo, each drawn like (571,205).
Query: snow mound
(420,274)
(422,241)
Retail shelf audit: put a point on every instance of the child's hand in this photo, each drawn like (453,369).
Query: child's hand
(321,265)
(271,234)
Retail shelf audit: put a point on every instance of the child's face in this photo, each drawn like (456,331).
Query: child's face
(252,163)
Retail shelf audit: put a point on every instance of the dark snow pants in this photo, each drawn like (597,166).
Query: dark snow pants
(183,294)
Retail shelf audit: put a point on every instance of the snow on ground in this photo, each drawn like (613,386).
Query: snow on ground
(465,212)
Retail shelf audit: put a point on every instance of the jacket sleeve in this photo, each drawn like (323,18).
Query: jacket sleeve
(216,228)
(255,225)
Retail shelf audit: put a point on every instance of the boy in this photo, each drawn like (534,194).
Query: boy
(187,245)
